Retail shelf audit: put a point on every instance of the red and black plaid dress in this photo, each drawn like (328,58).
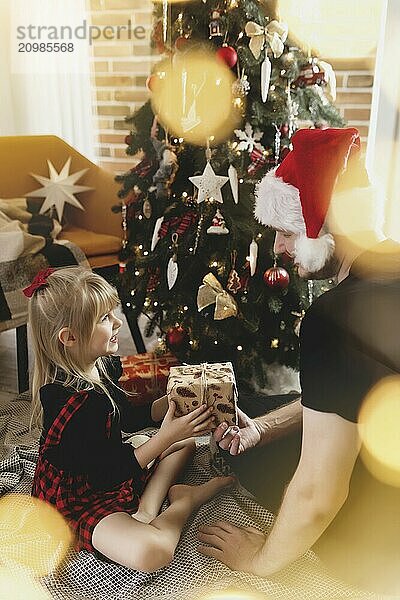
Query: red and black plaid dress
(84,469)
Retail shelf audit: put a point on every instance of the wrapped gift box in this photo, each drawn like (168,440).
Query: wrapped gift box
(212,384)
(147,375)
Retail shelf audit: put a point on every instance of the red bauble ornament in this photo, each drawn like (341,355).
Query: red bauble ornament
(228,55)
(128,140)
(276,278)
(177,337)
(181,42)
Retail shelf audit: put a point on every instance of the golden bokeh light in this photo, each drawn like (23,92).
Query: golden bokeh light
(355,214)
(172,1)
(33,534)
(384,171)
(379,431)
(192,96)
(14,586)
(233,595)
(334,29)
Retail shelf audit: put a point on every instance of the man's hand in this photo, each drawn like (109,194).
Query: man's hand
(238,439)
(239,548)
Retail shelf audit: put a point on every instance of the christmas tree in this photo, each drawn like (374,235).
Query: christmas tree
(194,259)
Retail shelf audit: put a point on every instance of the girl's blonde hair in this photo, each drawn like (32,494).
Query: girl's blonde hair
(76,298)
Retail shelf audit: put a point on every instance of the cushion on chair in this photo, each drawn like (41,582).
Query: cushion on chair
(91,243)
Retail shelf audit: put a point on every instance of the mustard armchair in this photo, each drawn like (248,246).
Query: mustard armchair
(96,230)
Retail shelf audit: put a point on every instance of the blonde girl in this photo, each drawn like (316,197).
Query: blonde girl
(95,480)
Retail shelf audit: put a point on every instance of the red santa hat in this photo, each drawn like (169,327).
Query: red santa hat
(295,197)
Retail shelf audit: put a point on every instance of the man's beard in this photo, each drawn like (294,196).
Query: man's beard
(329,270)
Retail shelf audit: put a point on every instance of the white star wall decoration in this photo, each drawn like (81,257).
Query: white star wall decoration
(59,188)
(209,184)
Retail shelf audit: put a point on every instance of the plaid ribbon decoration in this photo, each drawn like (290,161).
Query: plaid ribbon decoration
(143,168)
(183,223)
(258,160)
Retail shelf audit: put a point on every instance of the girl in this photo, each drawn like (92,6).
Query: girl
(97,482)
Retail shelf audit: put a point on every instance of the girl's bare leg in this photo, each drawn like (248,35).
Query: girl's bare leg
(173,460)
(148,547)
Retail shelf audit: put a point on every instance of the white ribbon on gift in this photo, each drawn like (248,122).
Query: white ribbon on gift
(203,383)
(274,34)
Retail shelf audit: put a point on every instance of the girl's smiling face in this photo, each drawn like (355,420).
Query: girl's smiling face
(104,340)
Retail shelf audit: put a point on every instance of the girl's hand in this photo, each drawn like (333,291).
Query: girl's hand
(198,422)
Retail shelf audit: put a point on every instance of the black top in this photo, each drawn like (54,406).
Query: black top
(85,448)
(350,339)
(350,336)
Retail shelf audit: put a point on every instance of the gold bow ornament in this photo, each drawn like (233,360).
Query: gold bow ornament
(212,291)
(274,34)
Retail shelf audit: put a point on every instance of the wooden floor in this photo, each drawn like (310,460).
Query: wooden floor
(8,364)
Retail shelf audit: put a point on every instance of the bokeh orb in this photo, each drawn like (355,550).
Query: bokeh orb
(334,29)
(18,586)
(379,430)
(192,97)
(233,595)
(33,534)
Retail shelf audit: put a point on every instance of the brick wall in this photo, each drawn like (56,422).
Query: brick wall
(355,78)
(121,67)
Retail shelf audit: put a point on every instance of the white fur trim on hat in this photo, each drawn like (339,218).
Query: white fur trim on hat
(312,254)
(278,204)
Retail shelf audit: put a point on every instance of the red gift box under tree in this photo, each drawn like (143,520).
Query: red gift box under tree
(147,375)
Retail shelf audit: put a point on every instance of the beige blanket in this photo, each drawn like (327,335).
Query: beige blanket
(191,576)
(15,237)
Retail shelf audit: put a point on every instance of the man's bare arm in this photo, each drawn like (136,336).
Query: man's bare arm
(280,422)
(312,499)
(261,430)
(318,488)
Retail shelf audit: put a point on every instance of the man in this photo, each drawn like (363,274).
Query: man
(349,342)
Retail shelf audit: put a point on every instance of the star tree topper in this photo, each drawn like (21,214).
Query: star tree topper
(59,188)
(209,184)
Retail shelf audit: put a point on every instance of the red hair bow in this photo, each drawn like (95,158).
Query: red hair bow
(39,281)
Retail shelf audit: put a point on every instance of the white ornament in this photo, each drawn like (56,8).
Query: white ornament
(156,237)
(172,268)
(265,78)
(233,180)
(172,271)
(59,188)
(253,253)
(218,225)
(190,118)
(147,208)
(209,184)
(249,140)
